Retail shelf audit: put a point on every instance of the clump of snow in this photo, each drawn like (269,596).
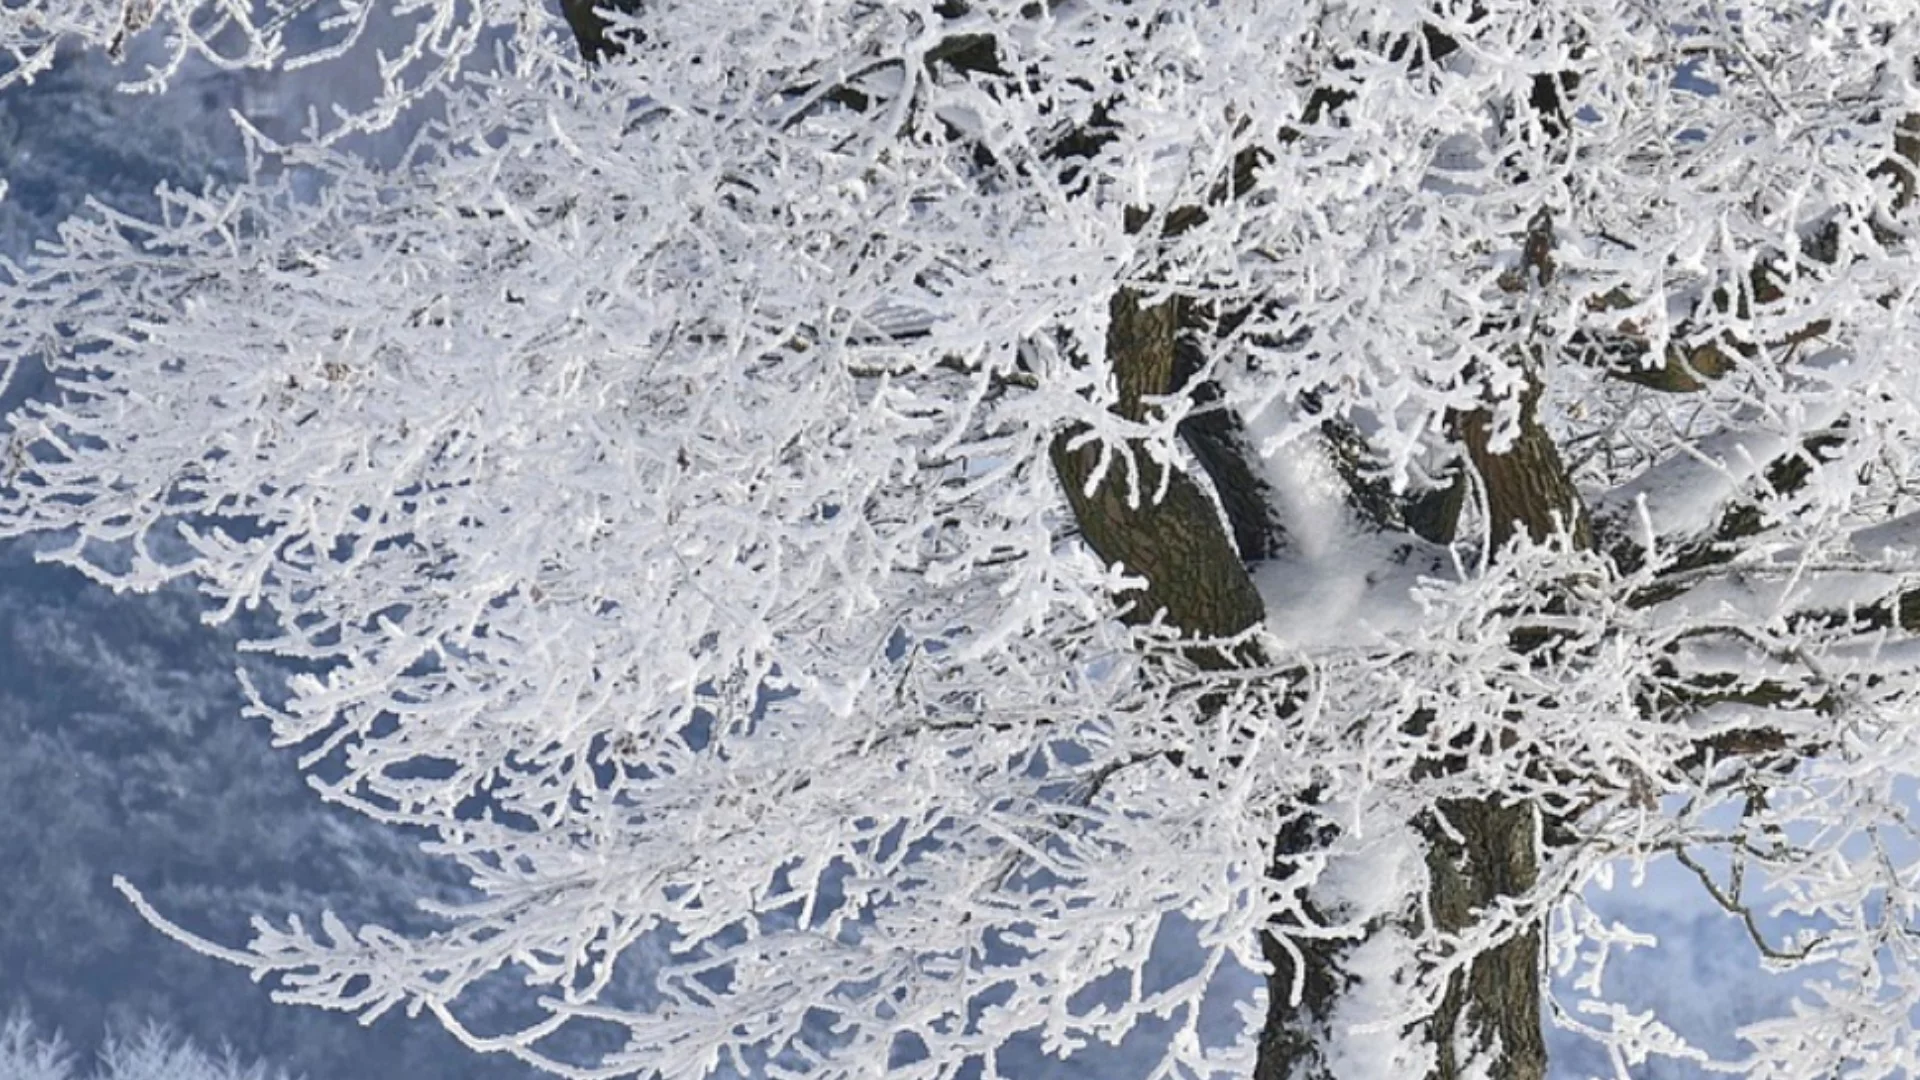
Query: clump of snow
(1369,882)
(1379,867)
(1340,582)
(1367,1040)
(1683,495)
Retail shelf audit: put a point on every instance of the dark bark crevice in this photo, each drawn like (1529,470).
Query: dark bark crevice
(597,40)
(1220,444)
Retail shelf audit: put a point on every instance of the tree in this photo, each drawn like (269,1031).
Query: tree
(150,1054)
(122,757)
(851,522)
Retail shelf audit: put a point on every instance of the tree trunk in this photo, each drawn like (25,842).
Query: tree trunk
(1195,582)
(1485,851)
(1194,578)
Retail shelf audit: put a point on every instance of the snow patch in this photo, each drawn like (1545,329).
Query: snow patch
(1340,581)
(1368,1039)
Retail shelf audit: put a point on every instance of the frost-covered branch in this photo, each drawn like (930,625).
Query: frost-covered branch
(846,522)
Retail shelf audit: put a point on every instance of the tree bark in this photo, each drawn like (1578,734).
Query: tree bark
(1220,443)
(1193,578)
(1194,581)
(1485,849)
(1526,484)
(1481,850)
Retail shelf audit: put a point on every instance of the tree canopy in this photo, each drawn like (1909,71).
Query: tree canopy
(853,523)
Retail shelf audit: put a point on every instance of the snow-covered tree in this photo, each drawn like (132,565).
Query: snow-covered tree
(122,756)
(855,523)
(150,1054)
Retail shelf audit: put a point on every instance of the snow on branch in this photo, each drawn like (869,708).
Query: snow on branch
(707,493)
